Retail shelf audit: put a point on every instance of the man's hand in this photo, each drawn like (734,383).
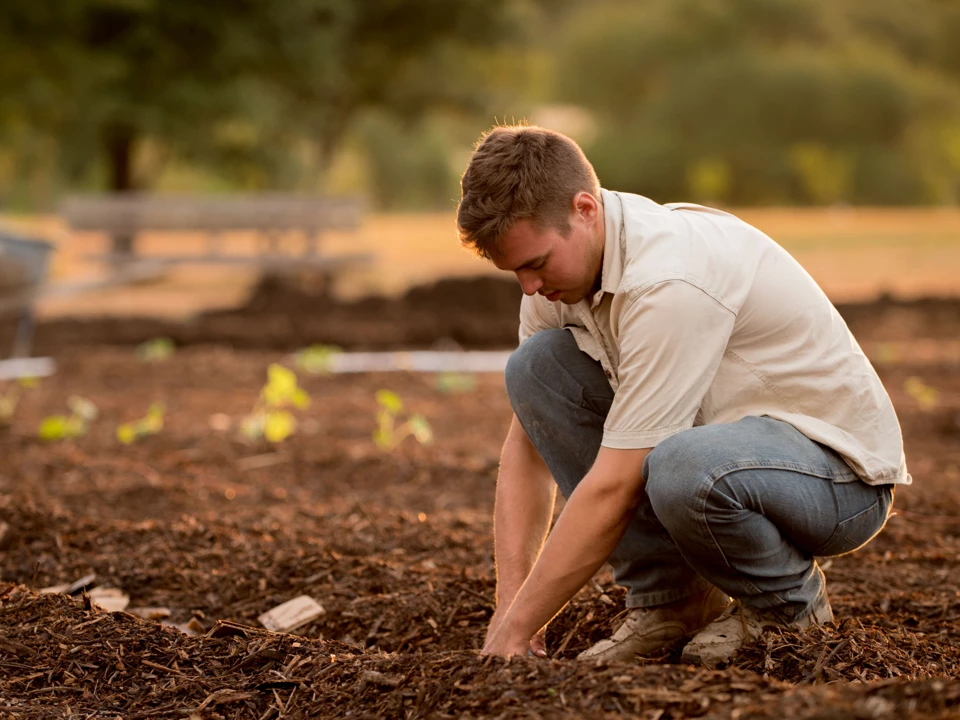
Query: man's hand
(524,507)
(590,526)
(536,645)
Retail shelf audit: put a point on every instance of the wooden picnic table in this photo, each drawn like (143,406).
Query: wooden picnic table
(124,216)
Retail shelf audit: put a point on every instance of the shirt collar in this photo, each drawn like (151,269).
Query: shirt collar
(612,269)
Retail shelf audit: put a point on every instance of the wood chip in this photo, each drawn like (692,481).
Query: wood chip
(150,613)
(292,614)
(70,588)
(109,599)
(257,462)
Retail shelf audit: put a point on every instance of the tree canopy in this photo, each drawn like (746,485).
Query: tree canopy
(739,102)
(246,84)
(771,100)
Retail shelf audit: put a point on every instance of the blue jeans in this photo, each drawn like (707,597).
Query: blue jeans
(744,506)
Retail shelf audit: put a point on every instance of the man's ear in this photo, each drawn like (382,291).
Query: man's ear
(585,206)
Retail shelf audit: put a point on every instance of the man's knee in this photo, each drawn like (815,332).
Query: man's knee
(532,361)
(675,473)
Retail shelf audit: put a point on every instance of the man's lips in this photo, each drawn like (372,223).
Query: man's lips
(554,296)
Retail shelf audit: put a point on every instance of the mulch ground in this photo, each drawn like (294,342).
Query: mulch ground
(397,548)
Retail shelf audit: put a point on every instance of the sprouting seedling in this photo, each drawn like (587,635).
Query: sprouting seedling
(10,398)
(925,396)
(149,424)
(455,382)
(66,427)
(389,434)
(156,350)
(271,417)
(887,354)
(316,359)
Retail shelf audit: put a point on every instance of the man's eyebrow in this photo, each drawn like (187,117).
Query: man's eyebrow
(528,263)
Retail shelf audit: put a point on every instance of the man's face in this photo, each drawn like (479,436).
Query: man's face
(561,268)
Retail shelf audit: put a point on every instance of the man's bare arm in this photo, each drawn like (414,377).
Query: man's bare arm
(524,507)
(592,523)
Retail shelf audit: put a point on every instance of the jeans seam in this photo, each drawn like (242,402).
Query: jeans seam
(876,505)
(706,488)
(718,473)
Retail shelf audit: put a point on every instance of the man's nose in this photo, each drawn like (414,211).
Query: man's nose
(529,282)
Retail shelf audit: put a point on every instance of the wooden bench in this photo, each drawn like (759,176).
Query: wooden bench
(124,216)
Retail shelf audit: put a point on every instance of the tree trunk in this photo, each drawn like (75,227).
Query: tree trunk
(119,144)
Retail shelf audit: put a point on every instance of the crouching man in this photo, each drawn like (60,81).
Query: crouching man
(692,392)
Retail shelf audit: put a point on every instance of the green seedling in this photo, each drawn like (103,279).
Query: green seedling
(150,424)
(455,382)
(271,418)
(316,359)
(389,434)
(925,396)
(67,427)
(10,398)
(156,350)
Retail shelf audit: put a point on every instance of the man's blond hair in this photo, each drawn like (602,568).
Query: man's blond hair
(520,172)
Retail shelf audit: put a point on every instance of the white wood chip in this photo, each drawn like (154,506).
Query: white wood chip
(150,613)
(109,599)
(292,614)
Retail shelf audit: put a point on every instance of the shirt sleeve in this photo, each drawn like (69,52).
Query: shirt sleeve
(672,337)
(534,317)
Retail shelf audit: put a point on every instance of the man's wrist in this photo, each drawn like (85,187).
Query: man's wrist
(511,626)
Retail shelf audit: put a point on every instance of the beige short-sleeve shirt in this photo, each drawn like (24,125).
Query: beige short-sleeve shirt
(701,319)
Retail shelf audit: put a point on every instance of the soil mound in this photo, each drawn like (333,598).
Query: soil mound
(474,312)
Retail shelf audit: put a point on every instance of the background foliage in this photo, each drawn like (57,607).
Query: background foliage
(741,102)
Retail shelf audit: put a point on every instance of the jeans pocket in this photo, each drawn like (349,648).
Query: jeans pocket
(855,532)
(600,404)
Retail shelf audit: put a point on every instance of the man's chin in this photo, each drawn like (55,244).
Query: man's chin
(570,299)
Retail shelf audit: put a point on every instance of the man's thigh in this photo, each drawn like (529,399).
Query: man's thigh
(720,474)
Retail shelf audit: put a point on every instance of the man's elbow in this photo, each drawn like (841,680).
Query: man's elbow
(621,476)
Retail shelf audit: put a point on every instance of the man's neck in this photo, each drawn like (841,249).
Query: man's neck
(601,238)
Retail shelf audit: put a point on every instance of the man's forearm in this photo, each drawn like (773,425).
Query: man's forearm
(588,530)
(524,507)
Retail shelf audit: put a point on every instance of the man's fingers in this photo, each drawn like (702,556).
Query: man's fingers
(538,646)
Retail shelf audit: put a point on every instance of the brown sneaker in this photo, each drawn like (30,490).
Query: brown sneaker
(738,625)
(648,630)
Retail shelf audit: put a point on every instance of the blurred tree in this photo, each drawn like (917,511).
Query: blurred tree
(796,100)
(252,86)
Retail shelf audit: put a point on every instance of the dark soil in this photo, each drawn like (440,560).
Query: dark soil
(397,548)
(478,312)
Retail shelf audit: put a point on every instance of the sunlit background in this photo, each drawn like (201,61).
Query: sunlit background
(834,125)
(235,220)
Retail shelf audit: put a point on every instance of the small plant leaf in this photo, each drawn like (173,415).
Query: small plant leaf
(29,382)
(383,439)
(53,427)
(156,350)
(252,426)
(279,425)
(421,429)
(390,401)
(281,385)
(316,359)
(126,433)
(454,382)
(8,406)
(153,421)
(300,399)
(925,396)
(75,427)
(82,408)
